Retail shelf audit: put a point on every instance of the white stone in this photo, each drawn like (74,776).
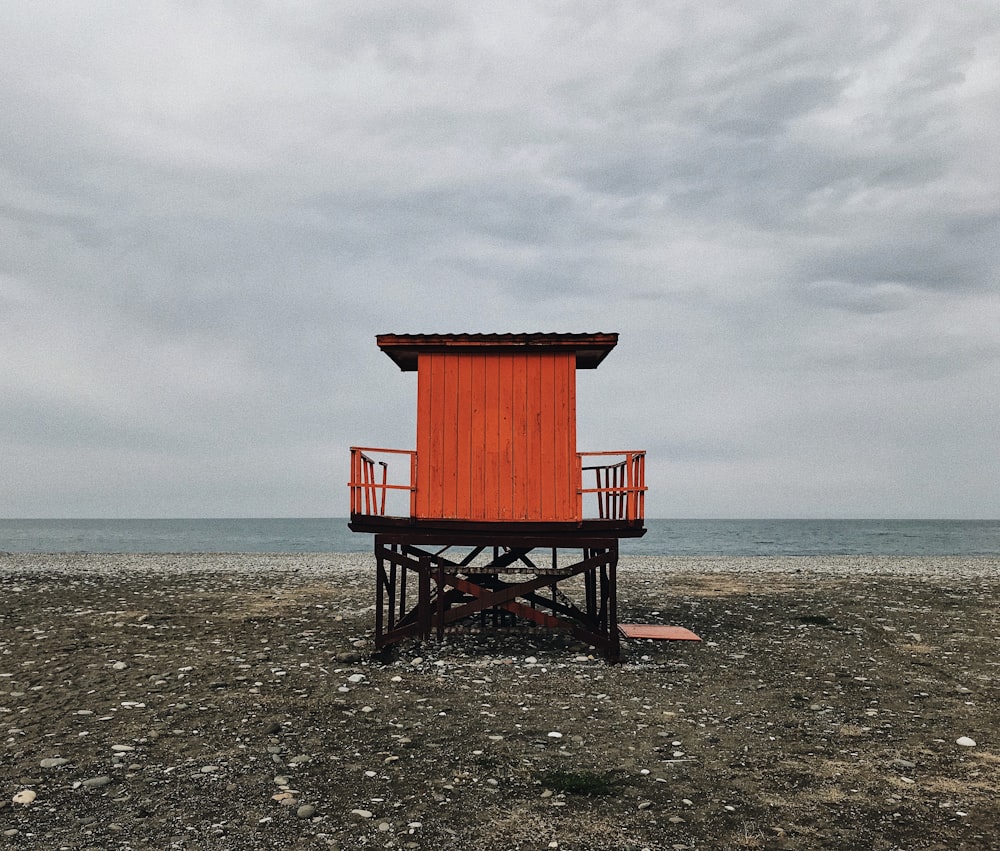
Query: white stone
(362,813)
(24,797)
(965,742)
(555,735)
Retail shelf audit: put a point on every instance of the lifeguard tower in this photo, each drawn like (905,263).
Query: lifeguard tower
(496,517)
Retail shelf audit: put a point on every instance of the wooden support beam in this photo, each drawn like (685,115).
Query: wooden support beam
(452,588)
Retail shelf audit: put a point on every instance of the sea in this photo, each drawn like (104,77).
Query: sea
(664,537)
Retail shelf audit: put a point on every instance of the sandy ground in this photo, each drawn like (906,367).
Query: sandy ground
(230,701)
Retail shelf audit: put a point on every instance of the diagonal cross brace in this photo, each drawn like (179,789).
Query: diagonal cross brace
(503,598)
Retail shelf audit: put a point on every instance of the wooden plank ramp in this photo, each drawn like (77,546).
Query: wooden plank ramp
(659,632)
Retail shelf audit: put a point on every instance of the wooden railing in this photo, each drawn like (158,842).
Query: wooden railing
(620,486)
(369,486)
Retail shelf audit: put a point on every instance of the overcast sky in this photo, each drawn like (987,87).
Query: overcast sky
(790,212)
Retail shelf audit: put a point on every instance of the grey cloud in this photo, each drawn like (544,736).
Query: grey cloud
(877,297)
(207,214)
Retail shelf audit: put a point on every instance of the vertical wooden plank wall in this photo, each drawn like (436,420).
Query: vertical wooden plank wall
(496,436)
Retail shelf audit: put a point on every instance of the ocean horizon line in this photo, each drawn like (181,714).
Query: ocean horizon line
(663,536)
(345,518)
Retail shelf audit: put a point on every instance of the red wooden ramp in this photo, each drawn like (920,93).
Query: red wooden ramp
(656,631)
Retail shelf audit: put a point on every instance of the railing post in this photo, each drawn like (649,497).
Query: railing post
(413,484)
(600,493)
(638,486)
(385,481)
(366,477)
(353,479)
(641,487)
(630,488)
(620,495)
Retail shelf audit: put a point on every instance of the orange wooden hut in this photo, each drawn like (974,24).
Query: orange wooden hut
(496,475)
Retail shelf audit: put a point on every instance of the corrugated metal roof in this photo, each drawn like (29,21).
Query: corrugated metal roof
(590,348)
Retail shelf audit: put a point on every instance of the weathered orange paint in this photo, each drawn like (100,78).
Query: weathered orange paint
(496,436)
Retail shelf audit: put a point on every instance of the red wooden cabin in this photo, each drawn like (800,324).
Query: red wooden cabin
(497,473)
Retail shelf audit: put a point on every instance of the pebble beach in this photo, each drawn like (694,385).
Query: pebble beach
(232,701)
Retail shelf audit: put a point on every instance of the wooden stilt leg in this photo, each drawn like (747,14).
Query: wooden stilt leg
(614,639)
(379,595)
(424,598)
(590,592)
(391,594)
(402,593)
(440,602)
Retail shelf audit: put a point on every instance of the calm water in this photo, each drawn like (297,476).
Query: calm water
(665,537)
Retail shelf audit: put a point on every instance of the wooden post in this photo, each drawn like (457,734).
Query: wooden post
(379,595)
(440,601)
(424,597)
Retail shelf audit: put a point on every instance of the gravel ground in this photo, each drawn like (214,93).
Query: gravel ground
(230,701)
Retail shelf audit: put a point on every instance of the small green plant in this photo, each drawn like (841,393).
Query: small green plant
(588,783)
